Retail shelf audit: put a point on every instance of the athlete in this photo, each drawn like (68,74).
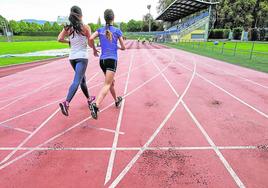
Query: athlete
(79,38)
(109,37)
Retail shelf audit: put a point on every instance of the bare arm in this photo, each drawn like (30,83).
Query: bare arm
(122,44)
(94,35)
(90,42)
(62,35)
(87,30)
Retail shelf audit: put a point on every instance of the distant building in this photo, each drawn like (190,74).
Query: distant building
(62,20)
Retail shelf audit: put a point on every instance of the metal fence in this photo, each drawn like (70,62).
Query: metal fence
(246,50)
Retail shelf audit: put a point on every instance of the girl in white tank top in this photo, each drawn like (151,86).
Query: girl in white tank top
(79,39)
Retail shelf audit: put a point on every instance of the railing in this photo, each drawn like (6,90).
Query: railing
(188,23)
(246,50)
(175,29)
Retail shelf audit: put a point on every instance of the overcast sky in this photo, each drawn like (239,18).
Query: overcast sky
(92,9)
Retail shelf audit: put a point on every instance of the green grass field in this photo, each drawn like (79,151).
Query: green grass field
(258,46)
(26,47)
(29,38)
(20,60)
(226,52)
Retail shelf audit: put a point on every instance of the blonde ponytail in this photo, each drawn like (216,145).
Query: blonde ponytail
(108,33)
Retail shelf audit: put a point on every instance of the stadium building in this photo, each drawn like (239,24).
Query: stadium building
(187,20)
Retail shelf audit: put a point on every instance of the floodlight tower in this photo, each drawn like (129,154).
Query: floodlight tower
(149,8)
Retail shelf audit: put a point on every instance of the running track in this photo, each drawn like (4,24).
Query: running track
(186,121)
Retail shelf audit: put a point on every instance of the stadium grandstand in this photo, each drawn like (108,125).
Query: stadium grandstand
(185,20)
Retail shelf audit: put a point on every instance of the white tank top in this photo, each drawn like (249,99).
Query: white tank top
(78,46)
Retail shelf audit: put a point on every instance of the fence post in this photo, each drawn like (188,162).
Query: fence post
(222,48)
(235,48)
(251,52)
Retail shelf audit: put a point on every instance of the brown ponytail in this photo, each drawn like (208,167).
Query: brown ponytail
(108,33)
(109,18)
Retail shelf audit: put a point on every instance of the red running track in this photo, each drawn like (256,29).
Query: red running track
(186,121)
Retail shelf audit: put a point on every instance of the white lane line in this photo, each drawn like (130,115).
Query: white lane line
(209,140)
(116,135)
(237,147)
(31,92)
(146,145)
(41,107)
(131,148)
(29,137)
(233,74)
(16,129)
(78,124)
(235,97)
(217,151)
(243,78)
(12,84)
(228,93)
(26,95)
(104,129)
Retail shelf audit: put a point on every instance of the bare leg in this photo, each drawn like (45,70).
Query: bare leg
(109,78)
(112,91)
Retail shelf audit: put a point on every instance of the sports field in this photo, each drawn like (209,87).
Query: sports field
(246,54)
(29,38)
(186,121)
(26,47)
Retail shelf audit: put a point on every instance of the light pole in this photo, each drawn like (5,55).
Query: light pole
(149,8)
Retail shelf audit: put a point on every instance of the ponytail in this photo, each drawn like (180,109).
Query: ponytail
(109,18)
(108,33)
(75,21)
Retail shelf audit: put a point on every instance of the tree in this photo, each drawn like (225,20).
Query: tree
(47,26)
(134,26)
(99,22)
(2,19)
(56,27)
(93,27)
(241,13)
(15,27)
(123,26)
(23,26)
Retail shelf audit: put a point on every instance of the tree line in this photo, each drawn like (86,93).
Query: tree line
(22,27)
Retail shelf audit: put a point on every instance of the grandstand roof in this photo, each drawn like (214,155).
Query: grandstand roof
(182,8)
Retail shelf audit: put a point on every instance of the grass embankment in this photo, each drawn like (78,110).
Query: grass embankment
(231,52)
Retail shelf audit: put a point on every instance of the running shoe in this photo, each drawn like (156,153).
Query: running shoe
(94,110)
(118,102)
(64,108)
(90,100)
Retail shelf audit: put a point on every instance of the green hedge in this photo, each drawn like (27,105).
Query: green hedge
(219,34)
(237,33)
(52,33)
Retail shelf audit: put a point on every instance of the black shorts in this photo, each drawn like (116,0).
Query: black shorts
(108,64)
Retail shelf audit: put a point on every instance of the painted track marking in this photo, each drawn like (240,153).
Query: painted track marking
(17,129)
(54,102)
(225,91)
(29,137)
(26,95)
(146,145)
(78,124)
(205,134)
(131,148)
(119,121)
